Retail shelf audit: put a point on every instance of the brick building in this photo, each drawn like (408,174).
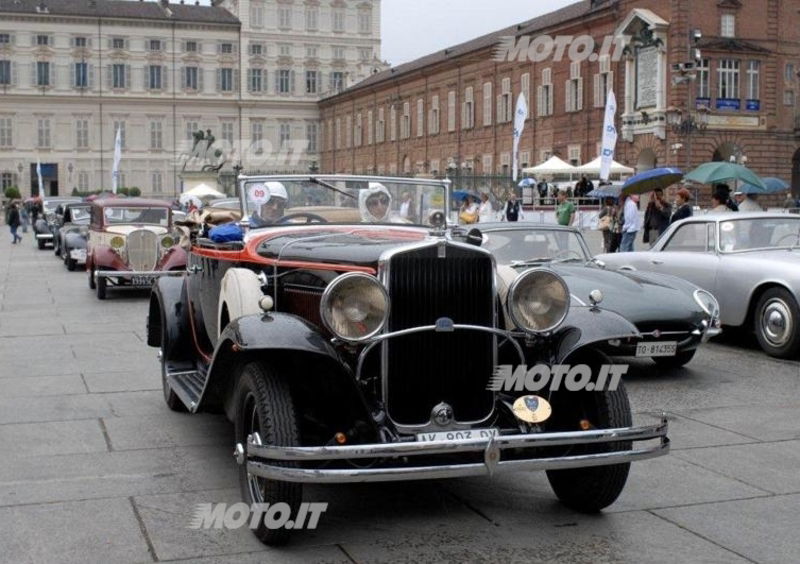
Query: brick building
(452,111)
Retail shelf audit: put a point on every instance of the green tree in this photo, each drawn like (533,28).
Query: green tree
(134,192)
(12,193)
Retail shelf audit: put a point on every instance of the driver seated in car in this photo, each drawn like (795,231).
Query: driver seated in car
(375,205)
(270,212)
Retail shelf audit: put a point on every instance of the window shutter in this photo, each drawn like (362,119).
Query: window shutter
(219,79)
(525,84)
(540,100)
(610,82)
(451,111)
(128,83)
(598,97)
(236,81)
(90,78)
(14,74)
(200,73)
(72,75)
(580,94)
(500,109)
(146,77)
(164,78)
(551,94)
(291,83)
(89,42)
(250,73)
(487,103)
(127,44)
(52,68)
(34,78)
(546,76)
(110,76)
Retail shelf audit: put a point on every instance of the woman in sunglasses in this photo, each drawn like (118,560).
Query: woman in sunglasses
(375,203)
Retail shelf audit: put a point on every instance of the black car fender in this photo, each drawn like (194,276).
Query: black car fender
(168,315)
(286,340)
(586,326)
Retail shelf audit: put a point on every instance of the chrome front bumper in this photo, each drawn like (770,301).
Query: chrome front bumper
(269,461)
(44,236)
(117,273)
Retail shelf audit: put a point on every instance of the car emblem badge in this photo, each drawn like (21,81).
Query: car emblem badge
(442,414)
(656,333)
(532,409)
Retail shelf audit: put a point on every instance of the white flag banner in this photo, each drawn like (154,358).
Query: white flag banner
(39,174)
(609,137)
(117,158)
(520,115)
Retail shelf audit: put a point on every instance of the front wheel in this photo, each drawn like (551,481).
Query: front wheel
(102,285)
(40,243)
(265,411)
(591,489)
(680,359)
(776,323)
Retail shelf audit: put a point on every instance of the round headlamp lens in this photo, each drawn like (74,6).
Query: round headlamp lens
(538,301)
(707,302)
(354,307)
(117,242)
(167,242)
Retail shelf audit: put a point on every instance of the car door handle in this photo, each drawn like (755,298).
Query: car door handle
(656,261)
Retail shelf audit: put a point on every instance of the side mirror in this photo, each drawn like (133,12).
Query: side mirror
(475,237)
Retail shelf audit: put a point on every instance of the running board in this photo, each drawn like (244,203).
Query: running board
(187,382)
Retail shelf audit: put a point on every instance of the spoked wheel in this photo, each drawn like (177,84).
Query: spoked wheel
(265,412)
(776,323)
(590,489)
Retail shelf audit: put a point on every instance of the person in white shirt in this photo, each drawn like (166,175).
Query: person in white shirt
(486,211)
(405,206)
(630,226)
(747,202)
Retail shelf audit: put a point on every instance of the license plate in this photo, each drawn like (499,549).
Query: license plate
(457,435)
(79,254)
(142,280)
(662,348)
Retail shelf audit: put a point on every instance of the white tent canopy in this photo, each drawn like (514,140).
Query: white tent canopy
(203,191)
(553,165)
(594,168)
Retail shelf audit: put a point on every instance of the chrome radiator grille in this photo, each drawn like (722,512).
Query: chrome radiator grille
(142,247)
(428,368)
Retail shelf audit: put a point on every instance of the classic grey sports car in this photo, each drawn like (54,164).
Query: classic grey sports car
(750,262)
(673,316)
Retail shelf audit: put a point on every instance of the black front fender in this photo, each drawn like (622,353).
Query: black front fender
(74,241)
(278,337)
(585,326)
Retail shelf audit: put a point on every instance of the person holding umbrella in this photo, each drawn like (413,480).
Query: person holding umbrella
(682,199)
(656,216)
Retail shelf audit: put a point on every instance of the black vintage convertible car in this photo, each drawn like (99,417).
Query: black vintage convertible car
(72,233)
(352,341)
(44,224)
(672,315)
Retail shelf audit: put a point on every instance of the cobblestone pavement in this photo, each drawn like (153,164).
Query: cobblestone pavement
(95,468)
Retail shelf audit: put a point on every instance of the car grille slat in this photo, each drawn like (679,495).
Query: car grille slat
(142,247)
(428,368)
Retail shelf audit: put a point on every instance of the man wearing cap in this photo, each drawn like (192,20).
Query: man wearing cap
(747,202)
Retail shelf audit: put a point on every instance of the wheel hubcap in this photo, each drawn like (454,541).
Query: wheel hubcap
(776,322)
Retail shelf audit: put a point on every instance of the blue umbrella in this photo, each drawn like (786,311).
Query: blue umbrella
(525,182)
(607,191)
(774,185)
(650,180)
(459,195)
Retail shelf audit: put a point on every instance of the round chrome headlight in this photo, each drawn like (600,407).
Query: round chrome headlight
(167,242)
(707,302)
(538,301)
(354,306)
(117,242)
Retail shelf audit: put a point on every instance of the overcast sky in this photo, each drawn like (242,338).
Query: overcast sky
(413,28)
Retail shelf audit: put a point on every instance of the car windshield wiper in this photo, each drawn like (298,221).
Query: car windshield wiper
(316,180)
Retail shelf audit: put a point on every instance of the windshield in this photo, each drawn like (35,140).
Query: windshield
(757,234)
(79,215)
(151,216)
(337,199)
(531,245)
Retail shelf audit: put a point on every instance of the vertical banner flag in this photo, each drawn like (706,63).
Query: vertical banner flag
(520,115)
(39,174)
(609,137)
(117,158)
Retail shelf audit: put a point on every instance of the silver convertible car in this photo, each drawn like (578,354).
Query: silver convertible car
(750,262)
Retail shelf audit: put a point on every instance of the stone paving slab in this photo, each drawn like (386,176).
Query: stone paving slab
(168,429)
(134,381)
(77,532)
(763,530)
(42,386)
(776,423)
(52,439)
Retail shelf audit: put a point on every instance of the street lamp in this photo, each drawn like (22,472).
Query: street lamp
(685,125)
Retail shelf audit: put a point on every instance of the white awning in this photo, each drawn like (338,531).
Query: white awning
(594,168)
(553,165)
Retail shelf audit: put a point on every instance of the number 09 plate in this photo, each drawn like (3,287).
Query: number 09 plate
(662,348)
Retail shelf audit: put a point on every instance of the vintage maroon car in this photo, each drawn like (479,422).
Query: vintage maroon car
(131,243)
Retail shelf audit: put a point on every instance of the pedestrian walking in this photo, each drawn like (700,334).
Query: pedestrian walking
(684,210)
(14,223)
(656,216)
(513,209)
(630,224)
(607,224)
(565,212)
